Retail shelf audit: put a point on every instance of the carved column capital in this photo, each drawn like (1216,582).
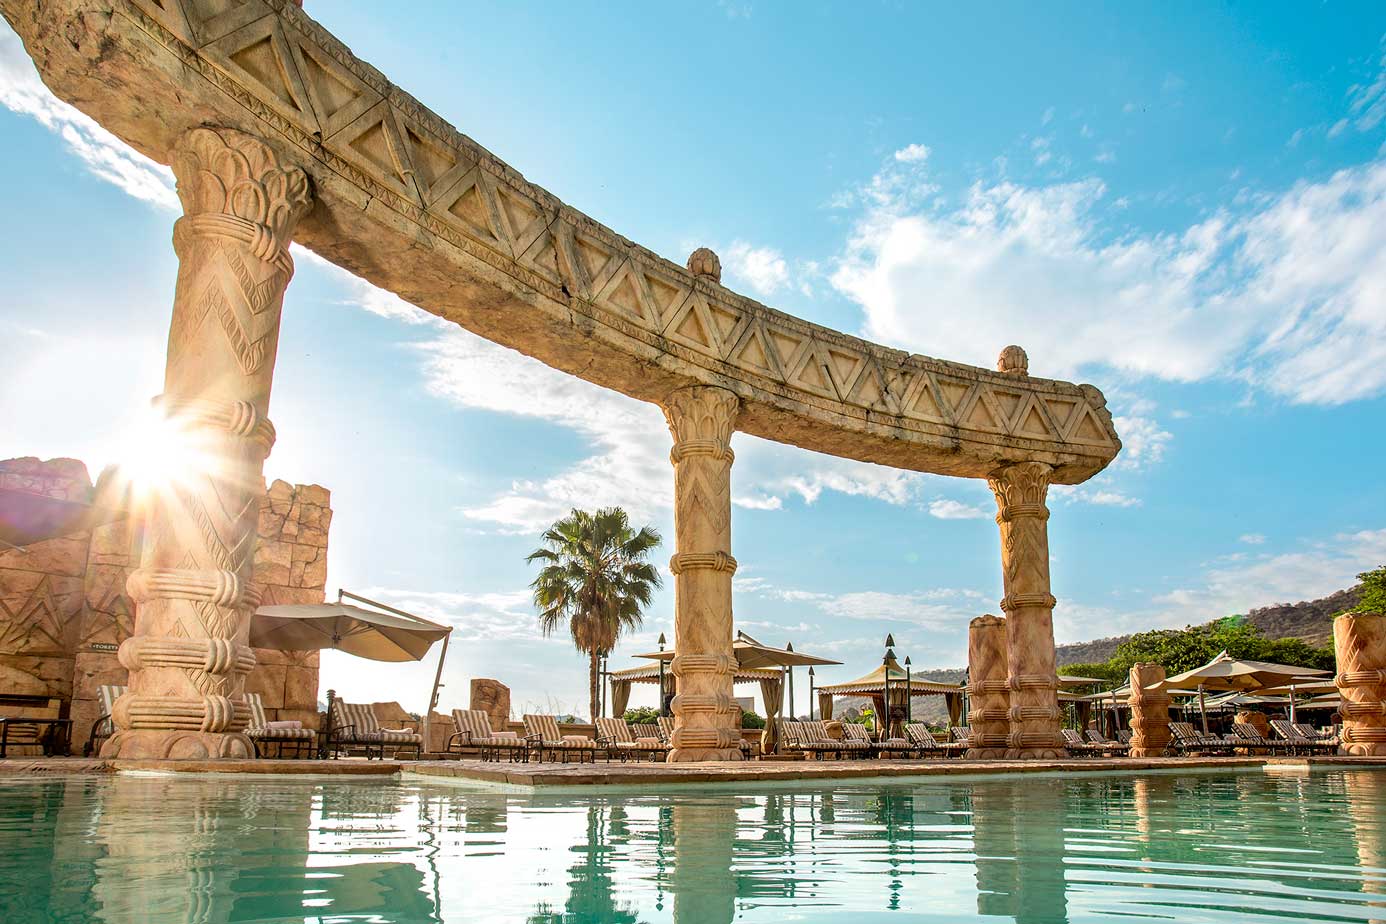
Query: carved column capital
(701,419)
(1021,490)
(233,184)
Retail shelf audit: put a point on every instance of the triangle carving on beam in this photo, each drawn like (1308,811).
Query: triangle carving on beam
(789,346)
(1063,411)
(956,396)
(920,401)
(522,219)
(470,205)
(845,366)
(212,19)
(542,257)
(435,164)
(338,96)
(813,372)
(984,413)
(259,55)
(693,327)
(373,142)
(667,294)
(170,15)
(627,293)
(873,392)
(1008,402)
(1033,421)
(752,351)
(1088,429)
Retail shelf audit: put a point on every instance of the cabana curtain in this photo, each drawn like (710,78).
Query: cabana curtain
(772,691)
(620,696)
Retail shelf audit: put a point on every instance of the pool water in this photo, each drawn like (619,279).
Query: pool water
(1231,846)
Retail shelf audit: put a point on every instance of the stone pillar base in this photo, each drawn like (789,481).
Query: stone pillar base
(159,744)
(986,754)
(1036,753)
(690,755)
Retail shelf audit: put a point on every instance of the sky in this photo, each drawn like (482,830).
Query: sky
(1184,204)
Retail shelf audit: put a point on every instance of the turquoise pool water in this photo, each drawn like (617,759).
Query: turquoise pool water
(1234,847)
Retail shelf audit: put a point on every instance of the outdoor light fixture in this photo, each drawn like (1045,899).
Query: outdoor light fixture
(662,713)
(909,689)
(810,692)
(789,682)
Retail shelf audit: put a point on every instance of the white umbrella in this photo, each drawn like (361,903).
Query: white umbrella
(1234,674)
(381,634)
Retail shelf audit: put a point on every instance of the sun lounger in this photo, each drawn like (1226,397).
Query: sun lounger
(618,738)
(1247,737)
(355,725)
(263,732)
(1077,746)
(1293,736)
(542,734)
(103,727)
(858,735)
(923,741)
(474,732)
(798,736)
(1187,741)
(1124,735)
(1107,744)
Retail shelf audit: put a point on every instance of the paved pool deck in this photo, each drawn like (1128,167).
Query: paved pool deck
(543,775)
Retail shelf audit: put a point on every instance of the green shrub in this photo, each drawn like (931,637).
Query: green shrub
(645,715)
(750,720)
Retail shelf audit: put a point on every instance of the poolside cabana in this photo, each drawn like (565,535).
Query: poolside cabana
(770,680)
(1226,673)
(873,686)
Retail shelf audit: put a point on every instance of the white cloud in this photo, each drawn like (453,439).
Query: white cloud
(758,501)
(947,509)
(913,154)
(105,155)
(1252,539)
(1143,441)
(1285,296)
(474,616)
(764,269)
(1090,493)
(1367,102)
(1049,116)
(1040,146)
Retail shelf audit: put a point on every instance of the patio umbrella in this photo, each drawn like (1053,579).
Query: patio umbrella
(1235,674)
(751,654)
(380,634)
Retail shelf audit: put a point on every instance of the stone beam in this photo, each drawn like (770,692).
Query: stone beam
(410,204)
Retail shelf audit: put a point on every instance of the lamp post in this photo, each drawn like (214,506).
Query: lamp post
(909,690)
(883,726)
(661,676)
(789,682)
(810,692)
(604,676)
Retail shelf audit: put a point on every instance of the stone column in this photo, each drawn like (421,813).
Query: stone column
(987,688)
(1359,641)
(1149,711)
(706,719)
(1020,491)
(188,655)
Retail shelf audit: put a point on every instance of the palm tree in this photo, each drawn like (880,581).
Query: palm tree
(595,579)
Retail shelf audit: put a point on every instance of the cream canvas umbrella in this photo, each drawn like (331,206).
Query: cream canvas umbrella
(382,633)
(1230,674)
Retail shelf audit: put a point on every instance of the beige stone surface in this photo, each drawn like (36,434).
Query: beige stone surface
(1029,606)
(1359,641)
(493,698)
(707,720)
(988,689)
(193,591)
(1150,732)
(414,206)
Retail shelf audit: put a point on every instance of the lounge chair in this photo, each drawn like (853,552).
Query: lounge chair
(1077,746)
(664,731)
(857,733)
(1106,744)
(103,727)
(1249,738)
(1123,736)
(800,737)
(1294,737)
(474,731)
(618,738)
(959,734)
(355,725)
(650,730)
(1187,741)
(542,735)
(923,741)
(1328,736)
(261,732)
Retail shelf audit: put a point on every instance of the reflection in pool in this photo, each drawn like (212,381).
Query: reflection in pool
(1244,846)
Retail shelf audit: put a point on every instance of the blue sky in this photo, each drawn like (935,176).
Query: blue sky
(1184,205)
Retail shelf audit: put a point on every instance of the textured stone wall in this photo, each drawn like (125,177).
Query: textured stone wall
(64,609)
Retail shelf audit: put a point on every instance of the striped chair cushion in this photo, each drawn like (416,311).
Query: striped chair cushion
(647,731)
(920,735)
(543,727)
(615,730)
(257,710)
(107,694)
(666,728)
(475,726)
(854,737)
(360,717)
(282,734)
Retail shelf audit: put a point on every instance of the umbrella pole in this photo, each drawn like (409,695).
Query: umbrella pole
(433,697)
(1292,704)
(1202,709)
